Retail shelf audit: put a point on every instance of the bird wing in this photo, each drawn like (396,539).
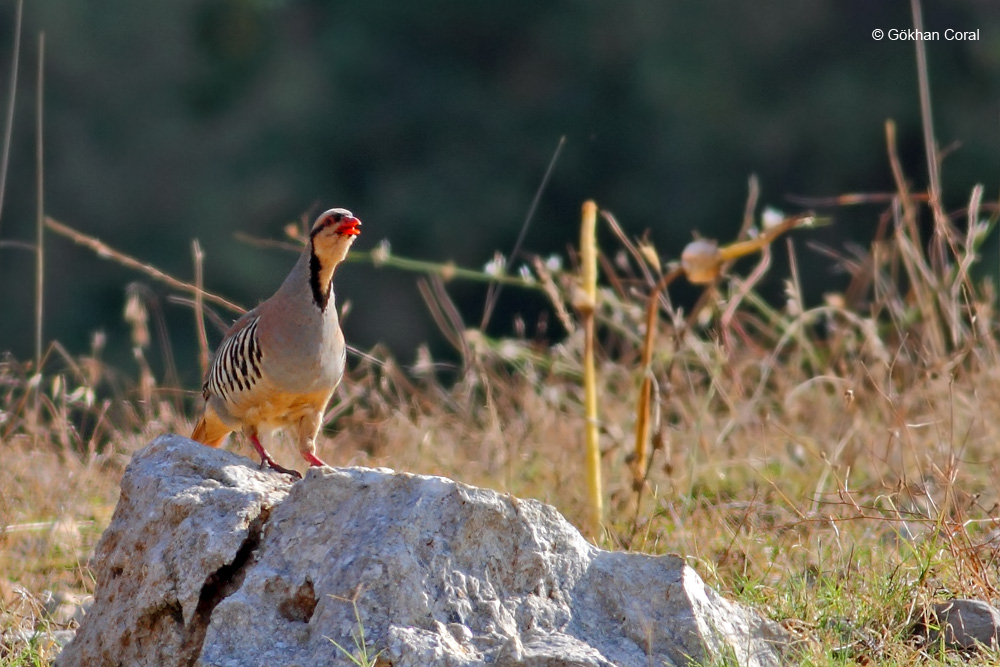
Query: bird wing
(236,366)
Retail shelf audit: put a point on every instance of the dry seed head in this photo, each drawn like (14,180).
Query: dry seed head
(792,305)
(648,252)
(137,317)
(551,290)
(700,261)
(835,300)
(292,230)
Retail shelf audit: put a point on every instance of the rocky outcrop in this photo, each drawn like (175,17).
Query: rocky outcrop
(209,561)
(965,625)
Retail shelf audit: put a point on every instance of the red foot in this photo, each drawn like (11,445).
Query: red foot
(265,458)
(278,468)
(312,459)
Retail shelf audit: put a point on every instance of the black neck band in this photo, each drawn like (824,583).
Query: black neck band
(321,293)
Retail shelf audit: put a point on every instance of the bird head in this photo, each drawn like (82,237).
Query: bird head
(332,235)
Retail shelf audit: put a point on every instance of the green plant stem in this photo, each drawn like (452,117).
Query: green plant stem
(446,270)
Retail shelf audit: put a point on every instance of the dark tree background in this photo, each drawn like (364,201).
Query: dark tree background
(434,121)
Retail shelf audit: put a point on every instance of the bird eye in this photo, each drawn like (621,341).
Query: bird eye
(337,217)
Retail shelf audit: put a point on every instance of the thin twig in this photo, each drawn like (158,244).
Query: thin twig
(454,316)
(642,261)
(902,188)
(930,143)
(850,199)
(795,286)
(148,296)
(741,289)
(40,203)
(11,98)
(107,252)
(493,291)
(640,468)
(364,355)
(909,245)
(217,321)
(446,324)
(199,307)
(39,526)
(268,243)
(19,245)
(753,195)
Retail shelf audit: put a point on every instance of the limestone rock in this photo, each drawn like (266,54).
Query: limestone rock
(967,624)
(210,562)
(186,522)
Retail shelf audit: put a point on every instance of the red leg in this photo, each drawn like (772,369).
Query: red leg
(307,429)
(313,459)
(265,458)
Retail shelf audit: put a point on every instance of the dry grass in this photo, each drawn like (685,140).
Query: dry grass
(835,467)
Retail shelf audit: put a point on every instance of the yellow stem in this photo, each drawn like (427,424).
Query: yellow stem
(588,265)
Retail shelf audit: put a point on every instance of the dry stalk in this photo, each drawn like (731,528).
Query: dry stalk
(908,239)
(199,307)
(445,315)
(40,204)
(107,252)
(11,98)
(640,464)
(40,213)
(942,231)
(702,262)
(641,260)
(552,291)
(493,291)
(586,304)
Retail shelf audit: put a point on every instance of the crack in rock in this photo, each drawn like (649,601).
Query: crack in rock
(221,584)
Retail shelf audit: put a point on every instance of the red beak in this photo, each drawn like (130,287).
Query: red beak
(349,227)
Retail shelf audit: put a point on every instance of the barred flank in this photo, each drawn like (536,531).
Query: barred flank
(236,366)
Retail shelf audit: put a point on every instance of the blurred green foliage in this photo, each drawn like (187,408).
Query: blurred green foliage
(433,121)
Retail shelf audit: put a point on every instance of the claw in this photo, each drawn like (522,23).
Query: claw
(273,465)
(265,458)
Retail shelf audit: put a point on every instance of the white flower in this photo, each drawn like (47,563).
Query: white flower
(381,253)
(495,267)
(771,217)
(553,263)
(526,274)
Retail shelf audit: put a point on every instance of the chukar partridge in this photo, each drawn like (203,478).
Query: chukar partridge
(279,364)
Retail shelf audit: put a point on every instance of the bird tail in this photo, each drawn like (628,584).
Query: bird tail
(210,430)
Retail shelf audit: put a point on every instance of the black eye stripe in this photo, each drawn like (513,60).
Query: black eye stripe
(328,221)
